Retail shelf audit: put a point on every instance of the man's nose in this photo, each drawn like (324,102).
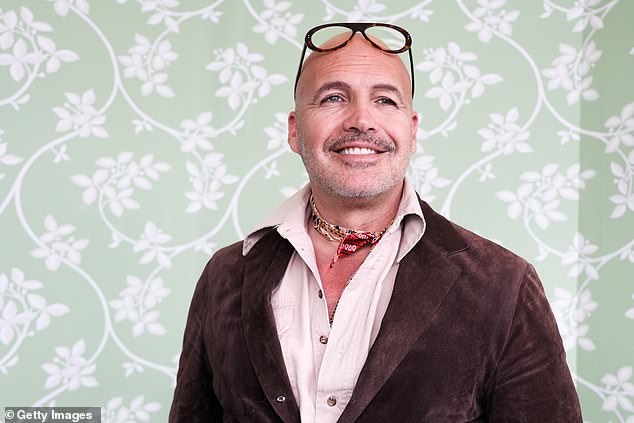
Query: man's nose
(359,118)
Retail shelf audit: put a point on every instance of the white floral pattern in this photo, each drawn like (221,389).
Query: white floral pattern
(137,303)
(23,312)
(571,311)
(570,72)
(505,134)
(29,49)
(240,76)
(70,369)
(490,17)
(116,180)
(453,79)
(7,159)
(276,19)
(539,195)
(58,243)
(79,114)
(146,63)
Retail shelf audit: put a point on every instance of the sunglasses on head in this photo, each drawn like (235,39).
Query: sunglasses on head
(388,38)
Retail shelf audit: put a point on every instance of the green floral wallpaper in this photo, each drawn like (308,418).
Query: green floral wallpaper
(138,136)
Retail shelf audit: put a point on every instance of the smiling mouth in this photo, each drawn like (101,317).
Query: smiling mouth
(360,145)
(358,151)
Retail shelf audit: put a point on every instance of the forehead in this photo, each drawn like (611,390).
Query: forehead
(358,63)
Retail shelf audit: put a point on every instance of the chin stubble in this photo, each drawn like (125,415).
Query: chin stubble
(333,183)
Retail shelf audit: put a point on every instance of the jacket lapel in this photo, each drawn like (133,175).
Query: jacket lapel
(264,269)
(424,278)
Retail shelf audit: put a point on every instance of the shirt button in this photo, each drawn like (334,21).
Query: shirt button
(323,339)
(320,294)
(331,401)
(280,398)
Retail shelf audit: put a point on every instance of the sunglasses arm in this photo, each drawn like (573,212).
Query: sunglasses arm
(411,66)
(299,69)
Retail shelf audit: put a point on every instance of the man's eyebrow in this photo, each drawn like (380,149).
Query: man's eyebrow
(333,85)
(389,87)
(341,85)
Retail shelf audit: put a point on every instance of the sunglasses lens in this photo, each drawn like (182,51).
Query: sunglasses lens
(388,38)
(330,37)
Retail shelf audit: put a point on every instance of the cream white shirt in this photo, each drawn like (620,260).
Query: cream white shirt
(323,362)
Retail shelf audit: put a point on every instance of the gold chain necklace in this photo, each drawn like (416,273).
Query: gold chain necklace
(335,232)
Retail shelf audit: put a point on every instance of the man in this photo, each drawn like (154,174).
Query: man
(355,301)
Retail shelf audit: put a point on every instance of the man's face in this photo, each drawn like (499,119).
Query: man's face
(353,123)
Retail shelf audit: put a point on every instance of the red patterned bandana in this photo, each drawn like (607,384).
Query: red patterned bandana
(350,240)
(351,243)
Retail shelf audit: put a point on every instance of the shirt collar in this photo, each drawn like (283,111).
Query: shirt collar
(291,216)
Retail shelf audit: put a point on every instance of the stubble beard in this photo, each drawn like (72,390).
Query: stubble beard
(339,185)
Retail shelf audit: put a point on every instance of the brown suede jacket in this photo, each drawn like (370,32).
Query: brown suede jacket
(468,337)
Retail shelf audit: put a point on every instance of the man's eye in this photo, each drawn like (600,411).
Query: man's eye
(386,100)
(333,98)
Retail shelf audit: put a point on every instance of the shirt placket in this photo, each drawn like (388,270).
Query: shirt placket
(320,328)
(337,374)
(321,399)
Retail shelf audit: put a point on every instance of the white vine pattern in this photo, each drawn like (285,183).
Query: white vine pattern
(25,50)
(21,307)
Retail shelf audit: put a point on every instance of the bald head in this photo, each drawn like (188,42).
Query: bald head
(358,58)
(353,123)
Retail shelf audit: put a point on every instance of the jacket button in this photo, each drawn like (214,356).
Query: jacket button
(331,401)
(280,398)
(320,294)
(323,339)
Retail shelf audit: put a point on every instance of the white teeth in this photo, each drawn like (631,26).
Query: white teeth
(357,150)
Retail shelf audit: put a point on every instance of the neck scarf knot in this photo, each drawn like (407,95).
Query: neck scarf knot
(350,240)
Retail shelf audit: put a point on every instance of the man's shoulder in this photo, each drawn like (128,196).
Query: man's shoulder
(226,258)
(468,248)
(490,276)
(487,248)
(227,255)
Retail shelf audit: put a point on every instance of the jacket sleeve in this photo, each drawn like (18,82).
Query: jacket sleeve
(532,382)
(194,398)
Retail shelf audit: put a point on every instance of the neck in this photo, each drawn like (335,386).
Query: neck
(371,214)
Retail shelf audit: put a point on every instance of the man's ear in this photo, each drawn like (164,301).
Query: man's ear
(414,130)
(292,132)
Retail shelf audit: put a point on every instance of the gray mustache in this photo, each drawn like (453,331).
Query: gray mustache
(340,142)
